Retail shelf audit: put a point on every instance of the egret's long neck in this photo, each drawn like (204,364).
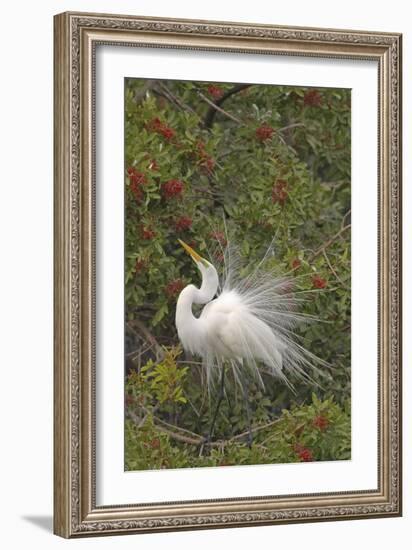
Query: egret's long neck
(186,322)
(208,288)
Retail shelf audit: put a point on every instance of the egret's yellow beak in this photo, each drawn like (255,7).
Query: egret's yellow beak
(191,252)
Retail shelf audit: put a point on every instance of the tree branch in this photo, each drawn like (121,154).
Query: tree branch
(217,108)
(137,325)
(211,113)
(290,126)
(332,269)
(330,241)
(176,100)
(191,438)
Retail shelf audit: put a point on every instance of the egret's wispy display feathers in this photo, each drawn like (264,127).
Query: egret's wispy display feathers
(249,319)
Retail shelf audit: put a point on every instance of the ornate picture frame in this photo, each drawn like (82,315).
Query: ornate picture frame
(76,511)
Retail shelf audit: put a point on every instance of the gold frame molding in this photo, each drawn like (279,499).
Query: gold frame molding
(76,36)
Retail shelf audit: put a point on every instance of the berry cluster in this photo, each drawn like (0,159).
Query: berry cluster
(280,192)
(155,443)
(319,282)
(183,223)
(172,188)
(219,236)
(206,161)
(321,422)
(304,454)
(220,257)
(148,234)
(312,98)
(159,127)
(137,179)
(264,132)
(174,288)
(139,266)
(215,91)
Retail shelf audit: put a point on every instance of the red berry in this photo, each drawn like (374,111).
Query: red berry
(172,188)
(139,265)
(174,287)
(137,179)
(296,263)
(280,192)
(137,192)
(148,234)
(135,175)
(215,91)
(183,223)
(206,161)
(304,454)
(264,132)
(219,236)
(319,282)
(159,127)
(209,163)
(167,132)
(155,443)
(155,124)
(312,98)
(321,422)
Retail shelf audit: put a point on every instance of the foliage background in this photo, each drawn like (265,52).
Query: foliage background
(271,160)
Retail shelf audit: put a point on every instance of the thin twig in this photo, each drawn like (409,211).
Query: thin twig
(189,437)
(156,419)
(140,421)
(333,271)
(217,108)
(179,437)
(140,351)
(330,241)
(184,362)
(210,115)
(290,126)
(348,213)
(174,435)
(177,101)
(253,430)
(136,324)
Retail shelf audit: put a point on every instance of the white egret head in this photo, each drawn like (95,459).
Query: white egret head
(202,264)
(210,278)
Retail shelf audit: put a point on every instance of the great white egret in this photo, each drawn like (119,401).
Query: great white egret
(248,323)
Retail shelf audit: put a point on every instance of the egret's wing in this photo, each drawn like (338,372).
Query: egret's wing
(255,318)
(252,340)
(233,332)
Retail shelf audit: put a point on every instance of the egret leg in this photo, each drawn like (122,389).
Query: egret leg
(248,415)
(219,401)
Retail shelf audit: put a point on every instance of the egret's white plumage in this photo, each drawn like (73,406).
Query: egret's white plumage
(248,322)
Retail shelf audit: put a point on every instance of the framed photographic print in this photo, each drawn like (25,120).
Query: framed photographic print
(227,274)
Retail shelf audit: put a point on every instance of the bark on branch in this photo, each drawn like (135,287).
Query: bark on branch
(191,438)
(142,331)
(211,113)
